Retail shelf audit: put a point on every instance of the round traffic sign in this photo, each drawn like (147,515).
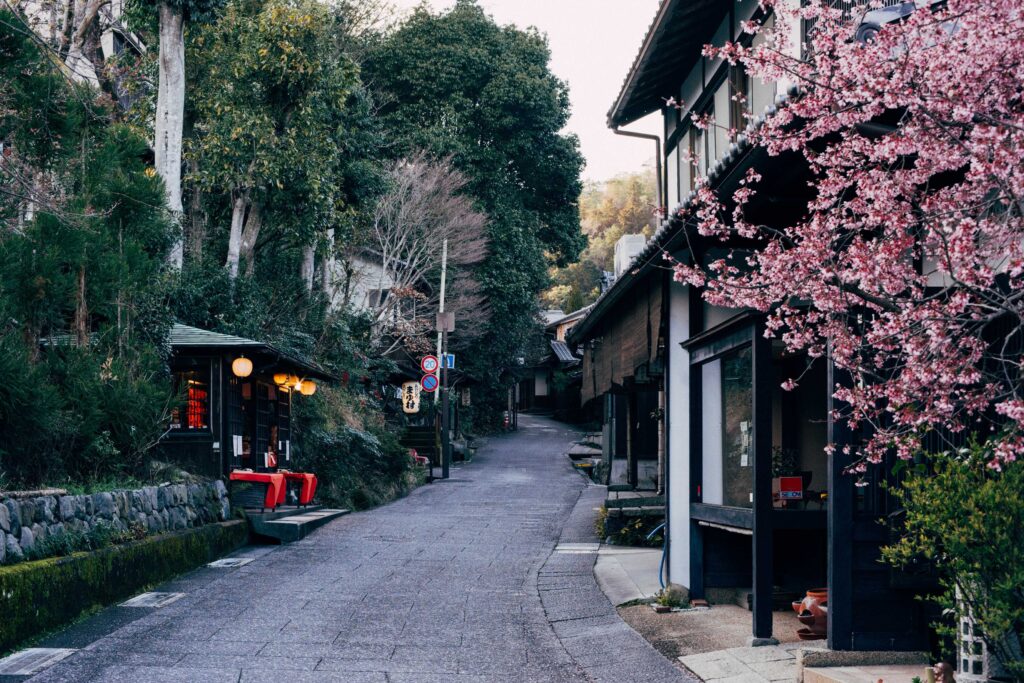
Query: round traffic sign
(429,383)
(429,364)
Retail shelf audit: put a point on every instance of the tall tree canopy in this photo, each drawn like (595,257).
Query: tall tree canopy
(457,84)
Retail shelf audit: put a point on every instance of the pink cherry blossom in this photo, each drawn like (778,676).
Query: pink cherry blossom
(907,267)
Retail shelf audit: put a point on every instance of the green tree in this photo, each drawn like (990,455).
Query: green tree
(457,84)
(81,281)
(270,95)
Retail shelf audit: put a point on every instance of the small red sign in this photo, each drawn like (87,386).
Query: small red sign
(429,364)
(429,383)
(791,488)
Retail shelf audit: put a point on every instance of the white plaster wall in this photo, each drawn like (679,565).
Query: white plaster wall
(540,383)
(711,432)
(672,167)
(367,275)
(678,425)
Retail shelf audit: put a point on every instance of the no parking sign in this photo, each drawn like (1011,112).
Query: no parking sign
(429,383)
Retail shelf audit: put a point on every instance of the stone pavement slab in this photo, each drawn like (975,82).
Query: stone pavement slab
(626,574)
(457,583)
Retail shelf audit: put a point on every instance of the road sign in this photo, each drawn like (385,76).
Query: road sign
(445,322)
(449,361)
(429,364)
(429,383)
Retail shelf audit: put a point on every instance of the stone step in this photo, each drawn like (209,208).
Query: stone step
(293,527)
(894,673)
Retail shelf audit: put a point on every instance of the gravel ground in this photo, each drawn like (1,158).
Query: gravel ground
(687,633)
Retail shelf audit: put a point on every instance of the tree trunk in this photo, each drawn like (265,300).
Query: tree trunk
(82,69)
(329,266)
(196,237)
(235,237)
(81,312)
(250,233)
(170,115)
(308,266)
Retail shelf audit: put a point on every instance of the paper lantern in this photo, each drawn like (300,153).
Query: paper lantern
(308,388)
(281,378)
(241,366)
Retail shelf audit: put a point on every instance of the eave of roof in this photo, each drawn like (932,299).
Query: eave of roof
(672,46)
(188,337)
(563,353)
(575,315)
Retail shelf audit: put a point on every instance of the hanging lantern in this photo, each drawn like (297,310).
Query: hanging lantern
(308,388)
(241,366)
(281,378)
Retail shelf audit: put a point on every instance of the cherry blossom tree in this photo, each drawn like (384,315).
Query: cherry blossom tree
(907,266)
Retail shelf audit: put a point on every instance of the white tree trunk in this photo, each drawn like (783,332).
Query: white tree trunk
(329,268)
(170,116)
(308,266)
(250,233)
(235,237)
(83,16)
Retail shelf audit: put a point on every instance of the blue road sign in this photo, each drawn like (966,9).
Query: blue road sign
(449,361)
(429,383)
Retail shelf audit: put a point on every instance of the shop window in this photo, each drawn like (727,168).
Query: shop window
(193,414)
(728,430)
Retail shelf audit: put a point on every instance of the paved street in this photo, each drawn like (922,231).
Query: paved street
(461,581)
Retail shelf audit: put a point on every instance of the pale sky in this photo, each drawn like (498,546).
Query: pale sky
(593,44)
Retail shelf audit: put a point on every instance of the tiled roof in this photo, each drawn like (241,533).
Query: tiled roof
(187,336)
(562,352)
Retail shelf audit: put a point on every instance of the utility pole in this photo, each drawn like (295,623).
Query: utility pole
(442,351)
(440,309)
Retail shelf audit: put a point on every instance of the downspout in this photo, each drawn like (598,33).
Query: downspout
(662,190)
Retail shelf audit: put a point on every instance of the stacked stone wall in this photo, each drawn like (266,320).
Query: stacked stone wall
(27,519)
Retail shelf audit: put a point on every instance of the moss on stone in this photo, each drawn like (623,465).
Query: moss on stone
(41,595)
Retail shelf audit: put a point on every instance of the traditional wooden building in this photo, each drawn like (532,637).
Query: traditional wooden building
(756,508)
(237,404)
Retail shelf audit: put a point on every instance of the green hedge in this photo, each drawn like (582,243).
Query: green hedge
(39,596)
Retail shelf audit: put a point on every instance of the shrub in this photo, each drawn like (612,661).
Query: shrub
(968,520)
(59,590)
(356,469)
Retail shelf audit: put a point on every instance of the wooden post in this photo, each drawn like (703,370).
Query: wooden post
(762,376)
(840,524)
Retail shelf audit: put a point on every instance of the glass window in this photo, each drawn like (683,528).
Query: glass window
(193,414)
(737,429)
(728,430)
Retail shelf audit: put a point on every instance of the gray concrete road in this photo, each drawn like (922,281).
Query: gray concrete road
(462,581)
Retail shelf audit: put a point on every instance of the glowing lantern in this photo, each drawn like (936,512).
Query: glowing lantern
(281,378)
(308,388)
(241,366)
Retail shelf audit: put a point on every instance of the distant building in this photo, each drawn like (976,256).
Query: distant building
(626,249)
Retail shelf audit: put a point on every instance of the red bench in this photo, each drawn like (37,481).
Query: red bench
(274,482)
(307,486)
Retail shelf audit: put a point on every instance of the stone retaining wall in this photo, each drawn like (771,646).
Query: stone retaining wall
(171,507)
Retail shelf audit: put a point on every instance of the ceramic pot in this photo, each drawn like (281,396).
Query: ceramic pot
(812,612)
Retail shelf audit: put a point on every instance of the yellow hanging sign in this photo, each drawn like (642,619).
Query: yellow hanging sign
(411,397)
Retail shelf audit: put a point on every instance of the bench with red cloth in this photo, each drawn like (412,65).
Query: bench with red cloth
(274,482)
(306,482)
